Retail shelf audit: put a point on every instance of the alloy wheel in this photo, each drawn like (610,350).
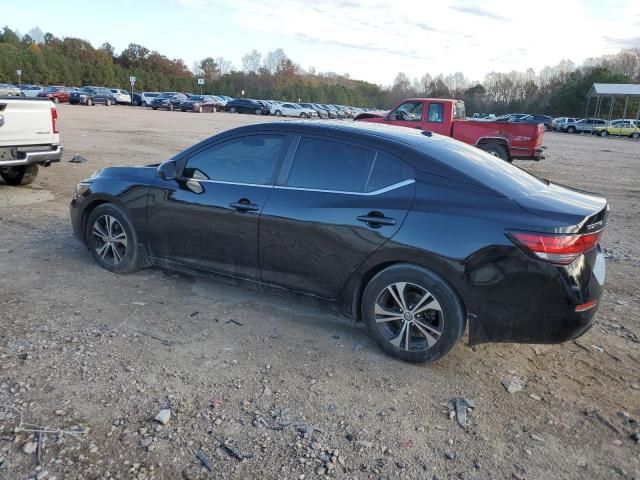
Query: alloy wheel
(109,239)
(409,316)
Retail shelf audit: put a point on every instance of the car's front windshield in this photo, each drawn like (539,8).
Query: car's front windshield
(196,98)
(166,95)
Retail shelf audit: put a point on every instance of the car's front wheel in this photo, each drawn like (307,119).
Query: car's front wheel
(571,129)
(413,313)
(604,133)
(112,239)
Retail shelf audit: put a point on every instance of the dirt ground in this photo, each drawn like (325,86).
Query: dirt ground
(264,386)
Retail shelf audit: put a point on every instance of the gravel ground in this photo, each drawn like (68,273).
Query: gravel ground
(266,386)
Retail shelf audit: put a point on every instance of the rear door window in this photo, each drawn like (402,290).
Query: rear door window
(328,165)
(435,113)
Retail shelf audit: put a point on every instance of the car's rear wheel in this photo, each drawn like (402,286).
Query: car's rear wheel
(635,135)
(107,102)
(603,133)
(232,110)
(258,111)
(24,175)
(571,129)
(200,109)
(413,313)
(55,99)
(278,113)
(496,150)
(112,240)
(303,115)
(89,102)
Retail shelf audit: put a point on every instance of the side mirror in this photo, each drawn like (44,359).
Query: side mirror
(167,171)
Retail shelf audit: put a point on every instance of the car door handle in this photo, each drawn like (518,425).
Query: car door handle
(244,205)
(376,219)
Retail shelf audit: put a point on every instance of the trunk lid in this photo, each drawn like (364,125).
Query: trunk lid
(585,210)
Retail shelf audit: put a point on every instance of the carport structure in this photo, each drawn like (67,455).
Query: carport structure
(613,91)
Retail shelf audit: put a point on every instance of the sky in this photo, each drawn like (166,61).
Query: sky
(370,40)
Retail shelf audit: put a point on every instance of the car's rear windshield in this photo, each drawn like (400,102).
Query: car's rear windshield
(485,169)
(51,89)
(166,95)
(196,98)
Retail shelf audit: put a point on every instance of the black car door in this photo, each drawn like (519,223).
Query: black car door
(334,204)
(207,217)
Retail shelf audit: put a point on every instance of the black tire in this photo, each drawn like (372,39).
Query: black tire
(15,176)
(155,108)
(635,135)
(304,115)
(278,113)
(200,109)
(170,107)
(603,133)
(89,102)
(55,99)
(107,102)
(496,150)
(232,110)
(112,256)
(447,317)
(258,111)
(571,129)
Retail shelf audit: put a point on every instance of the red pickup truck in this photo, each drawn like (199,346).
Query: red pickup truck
(506,140)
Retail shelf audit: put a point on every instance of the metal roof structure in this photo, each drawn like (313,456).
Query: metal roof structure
(609,91)
(618,89)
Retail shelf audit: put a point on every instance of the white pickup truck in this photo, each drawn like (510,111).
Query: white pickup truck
(29,137)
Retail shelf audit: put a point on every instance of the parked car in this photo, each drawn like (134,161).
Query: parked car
(121,96)
(55,93)
(244,105)
(219,102)
(29,138)
(30,91)
(147,98)
(585,125)
(199,104)
(92,96)
(293,110)
(514,256)
(333,112)
(320,112)
(7,90)
(560,122)
(625,128)
(546,120)
(507,140)
(168,101)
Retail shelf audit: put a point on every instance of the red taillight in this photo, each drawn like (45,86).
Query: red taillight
(586,306)
(54,120)
(562,249)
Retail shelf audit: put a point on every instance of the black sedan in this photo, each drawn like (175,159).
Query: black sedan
(92,96)
(168,101)
(199,104)
(244,105)
(414,233)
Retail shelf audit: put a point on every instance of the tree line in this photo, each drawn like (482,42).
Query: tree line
(556,90)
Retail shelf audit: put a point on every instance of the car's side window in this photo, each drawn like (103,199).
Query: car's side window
(330,165)
(436,112)
(387,170)
(408,111)
(252,159)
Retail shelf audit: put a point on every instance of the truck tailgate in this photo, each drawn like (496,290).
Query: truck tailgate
(26,122)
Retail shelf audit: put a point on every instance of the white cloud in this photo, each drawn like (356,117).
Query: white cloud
(417,37)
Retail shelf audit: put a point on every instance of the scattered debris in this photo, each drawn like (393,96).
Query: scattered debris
(226,448)
(459,407)
(535,397)
(78,159)
(30,447)
(163,416)
(200,455)
(513,384)
(536,438)
(233,320)
(449,455)
(167,343)
(216,402)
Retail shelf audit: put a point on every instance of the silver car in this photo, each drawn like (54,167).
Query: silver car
(7,90)
(585,125)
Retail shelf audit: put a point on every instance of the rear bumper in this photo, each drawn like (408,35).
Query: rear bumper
(538,305)
(38,157)
(536,154)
